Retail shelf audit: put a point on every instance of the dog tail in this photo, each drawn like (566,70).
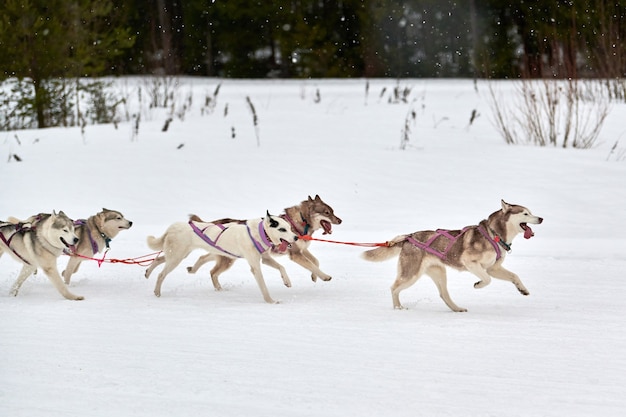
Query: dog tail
(155,243)
(195,218)
(384,253)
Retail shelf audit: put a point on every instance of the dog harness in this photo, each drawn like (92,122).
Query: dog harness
(94,245)
(258,245)
(426,246)
(19,228)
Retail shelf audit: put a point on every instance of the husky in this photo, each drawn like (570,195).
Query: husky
(252,240)
(478,249)
(37,243)
(305,218)
(94,234)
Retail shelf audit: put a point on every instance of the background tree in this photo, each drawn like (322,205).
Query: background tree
(47,40)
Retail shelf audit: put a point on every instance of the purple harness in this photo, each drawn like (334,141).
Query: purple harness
(94,245)
(258,245)
(19,228)
(426,246)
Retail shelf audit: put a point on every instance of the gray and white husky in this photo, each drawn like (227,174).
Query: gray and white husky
(252,240)
(305,218)
(37,243)
(479,249)
(94,234)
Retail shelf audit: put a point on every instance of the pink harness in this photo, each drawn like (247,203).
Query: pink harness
(426,246)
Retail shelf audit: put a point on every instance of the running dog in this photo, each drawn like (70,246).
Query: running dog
(252,240)
(38,243)
(305,218)
(478,249)
(94,234)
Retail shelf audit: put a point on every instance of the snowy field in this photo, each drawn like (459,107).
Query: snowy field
(334,348)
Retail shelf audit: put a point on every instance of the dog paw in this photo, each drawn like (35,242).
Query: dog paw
(190,270)
(524,291)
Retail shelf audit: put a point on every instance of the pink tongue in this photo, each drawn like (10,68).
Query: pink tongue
(528,232)
(283,246)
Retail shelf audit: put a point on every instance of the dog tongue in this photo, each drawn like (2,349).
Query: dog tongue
(328,228)
(283,246)
(528,232)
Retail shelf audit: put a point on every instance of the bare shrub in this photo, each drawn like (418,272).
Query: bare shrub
(255,120)
(409,120)
(546,112)
(161,90)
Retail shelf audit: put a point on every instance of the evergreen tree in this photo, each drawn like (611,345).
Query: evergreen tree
(44,40)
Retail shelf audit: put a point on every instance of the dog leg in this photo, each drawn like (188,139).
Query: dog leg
(439,276)
(498,271)
(71,268)
(26,271)
(222,264)
(306,260)
(269,261)
(157,261)
(255,268)
(476,269)
(201,261)
(57,281)
(171,262)
(409,271)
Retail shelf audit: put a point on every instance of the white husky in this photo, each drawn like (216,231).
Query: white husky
(38,243)
(478,249)
(251,240)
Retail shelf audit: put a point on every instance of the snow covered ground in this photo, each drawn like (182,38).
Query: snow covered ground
(333,348)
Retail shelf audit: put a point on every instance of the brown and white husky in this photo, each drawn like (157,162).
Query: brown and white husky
(479,249)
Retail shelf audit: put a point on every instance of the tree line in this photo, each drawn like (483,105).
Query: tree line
(314,38)
(47,43)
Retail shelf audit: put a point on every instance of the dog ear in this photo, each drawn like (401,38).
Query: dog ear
(273,223)
(505,206)
(101,218)
(317,197)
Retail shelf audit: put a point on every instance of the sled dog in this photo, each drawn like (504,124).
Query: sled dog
(94,234)
(305,218)
(252,240)
(478,249)
(37,243)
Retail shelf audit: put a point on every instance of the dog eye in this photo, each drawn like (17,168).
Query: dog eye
(282,229)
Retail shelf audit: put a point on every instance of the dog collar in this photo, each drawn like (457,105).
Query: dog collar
(498,239)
